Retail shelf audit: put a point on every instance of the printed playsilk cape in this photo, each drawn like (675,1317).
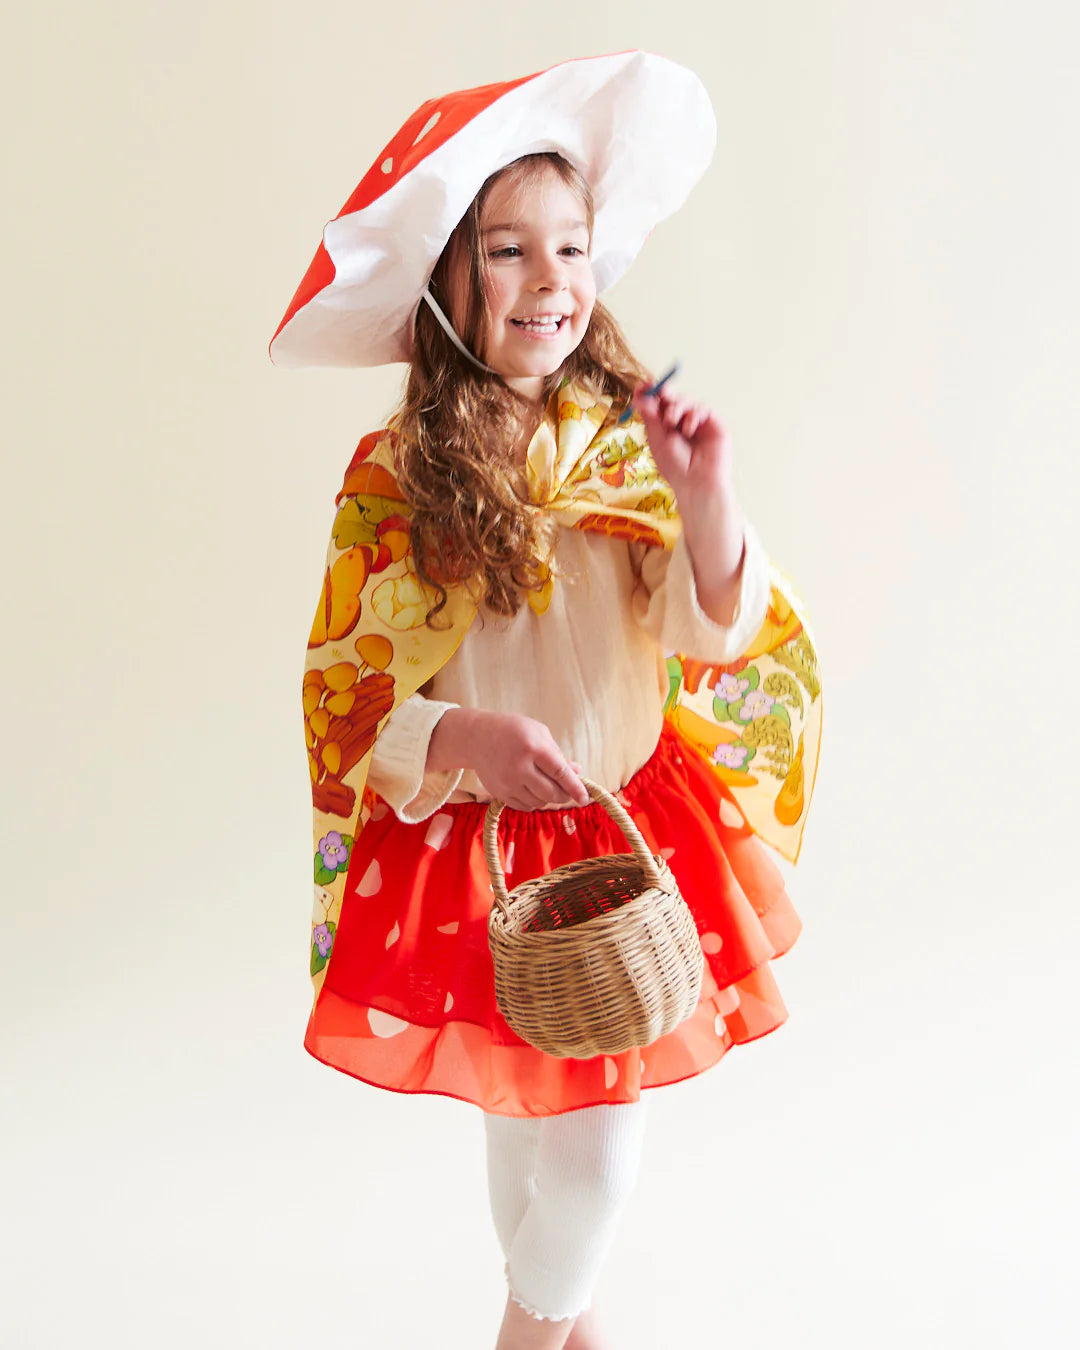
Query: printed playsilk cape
(757,720)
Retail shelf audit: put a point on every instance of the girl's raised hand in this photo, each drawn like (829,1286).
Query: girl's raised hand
(688,443)
(693,453)
(516,758)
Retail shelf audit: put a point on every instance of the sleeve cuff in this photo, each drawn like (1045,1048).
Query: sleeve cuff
(397,771)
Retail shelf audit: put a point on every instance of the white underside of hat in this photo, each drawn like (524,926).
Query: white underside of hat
(640,129)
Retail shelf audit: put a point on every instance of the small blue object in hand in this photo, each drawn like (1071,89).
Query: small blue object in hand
(625,415)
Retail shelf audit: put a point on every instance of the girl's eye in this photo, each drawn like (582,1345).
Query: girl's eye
(507,251)
(573,248)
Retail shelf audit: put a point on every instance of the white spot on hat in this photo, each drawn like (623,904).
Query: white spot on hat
(718,1026)
(438,832)
(711,943)
(611,1072)
(449,927)
(393,936)
(383,1024)
(371,880)
(428,125)
(387,165)
(730,814)
(449,1003)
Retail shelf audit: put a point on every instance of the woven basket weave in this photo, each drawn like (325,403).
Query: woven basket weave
(598,956)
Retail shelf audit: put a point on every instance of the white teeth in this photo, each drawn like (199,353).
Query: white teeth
(544,321)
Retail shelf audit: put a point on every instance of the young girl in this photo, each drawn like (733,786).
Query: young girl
(526,587)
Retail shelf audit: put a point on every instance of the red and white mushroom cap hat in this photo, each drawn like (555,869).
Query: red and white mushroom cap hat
(639,127)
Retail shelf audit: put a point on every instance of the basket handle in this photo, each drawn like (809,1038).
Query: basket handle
(611,805)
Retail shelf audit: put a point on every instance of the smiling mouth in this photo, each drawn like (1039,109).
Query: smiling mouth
(542,325)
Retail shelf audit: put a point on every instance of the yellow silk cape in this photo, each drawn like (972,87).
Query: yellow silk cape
(757,720)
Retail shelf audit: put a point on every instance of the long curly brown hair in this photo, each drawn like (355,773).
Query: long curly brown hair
(460,431)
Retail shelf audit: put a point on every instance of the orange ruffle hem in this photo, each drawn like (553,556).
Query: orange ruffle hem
(408,1003)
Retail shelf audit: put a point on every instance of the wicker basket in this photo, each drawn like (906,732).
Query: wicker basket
(598,956)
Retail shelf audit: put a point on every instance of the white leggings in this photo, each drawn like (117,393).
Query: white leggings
(557,1186)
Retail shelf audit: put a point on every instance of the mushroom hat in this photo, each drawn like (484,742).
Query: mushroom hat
(638,127)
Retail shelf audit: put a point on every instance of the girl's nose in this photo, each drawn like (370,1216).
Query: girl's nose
(547,275)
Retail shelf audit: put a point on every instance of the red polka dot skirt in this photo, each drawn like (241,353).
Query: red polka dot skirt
(409,997)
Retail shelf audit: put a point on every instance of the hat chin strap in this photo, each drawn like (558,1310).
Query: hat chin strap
(448,329)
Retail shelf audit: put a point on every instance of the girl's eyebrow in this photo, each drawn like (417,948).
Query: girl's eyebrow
(521,225)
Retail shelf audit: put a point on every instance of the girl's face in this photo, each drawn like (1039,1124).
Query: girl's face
(539,285)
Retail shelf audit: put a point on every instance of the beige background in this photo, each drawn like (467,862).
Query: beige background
(877,285)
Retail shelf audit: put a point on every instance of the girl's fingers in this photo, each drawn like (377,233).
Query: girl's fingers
(683,416)
(525,799)
(565,784)
(646,404)
(718,426)
(672,411)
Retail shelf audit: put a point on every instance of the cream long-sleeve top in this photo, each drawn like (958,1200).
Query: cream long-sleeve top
(592,667)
